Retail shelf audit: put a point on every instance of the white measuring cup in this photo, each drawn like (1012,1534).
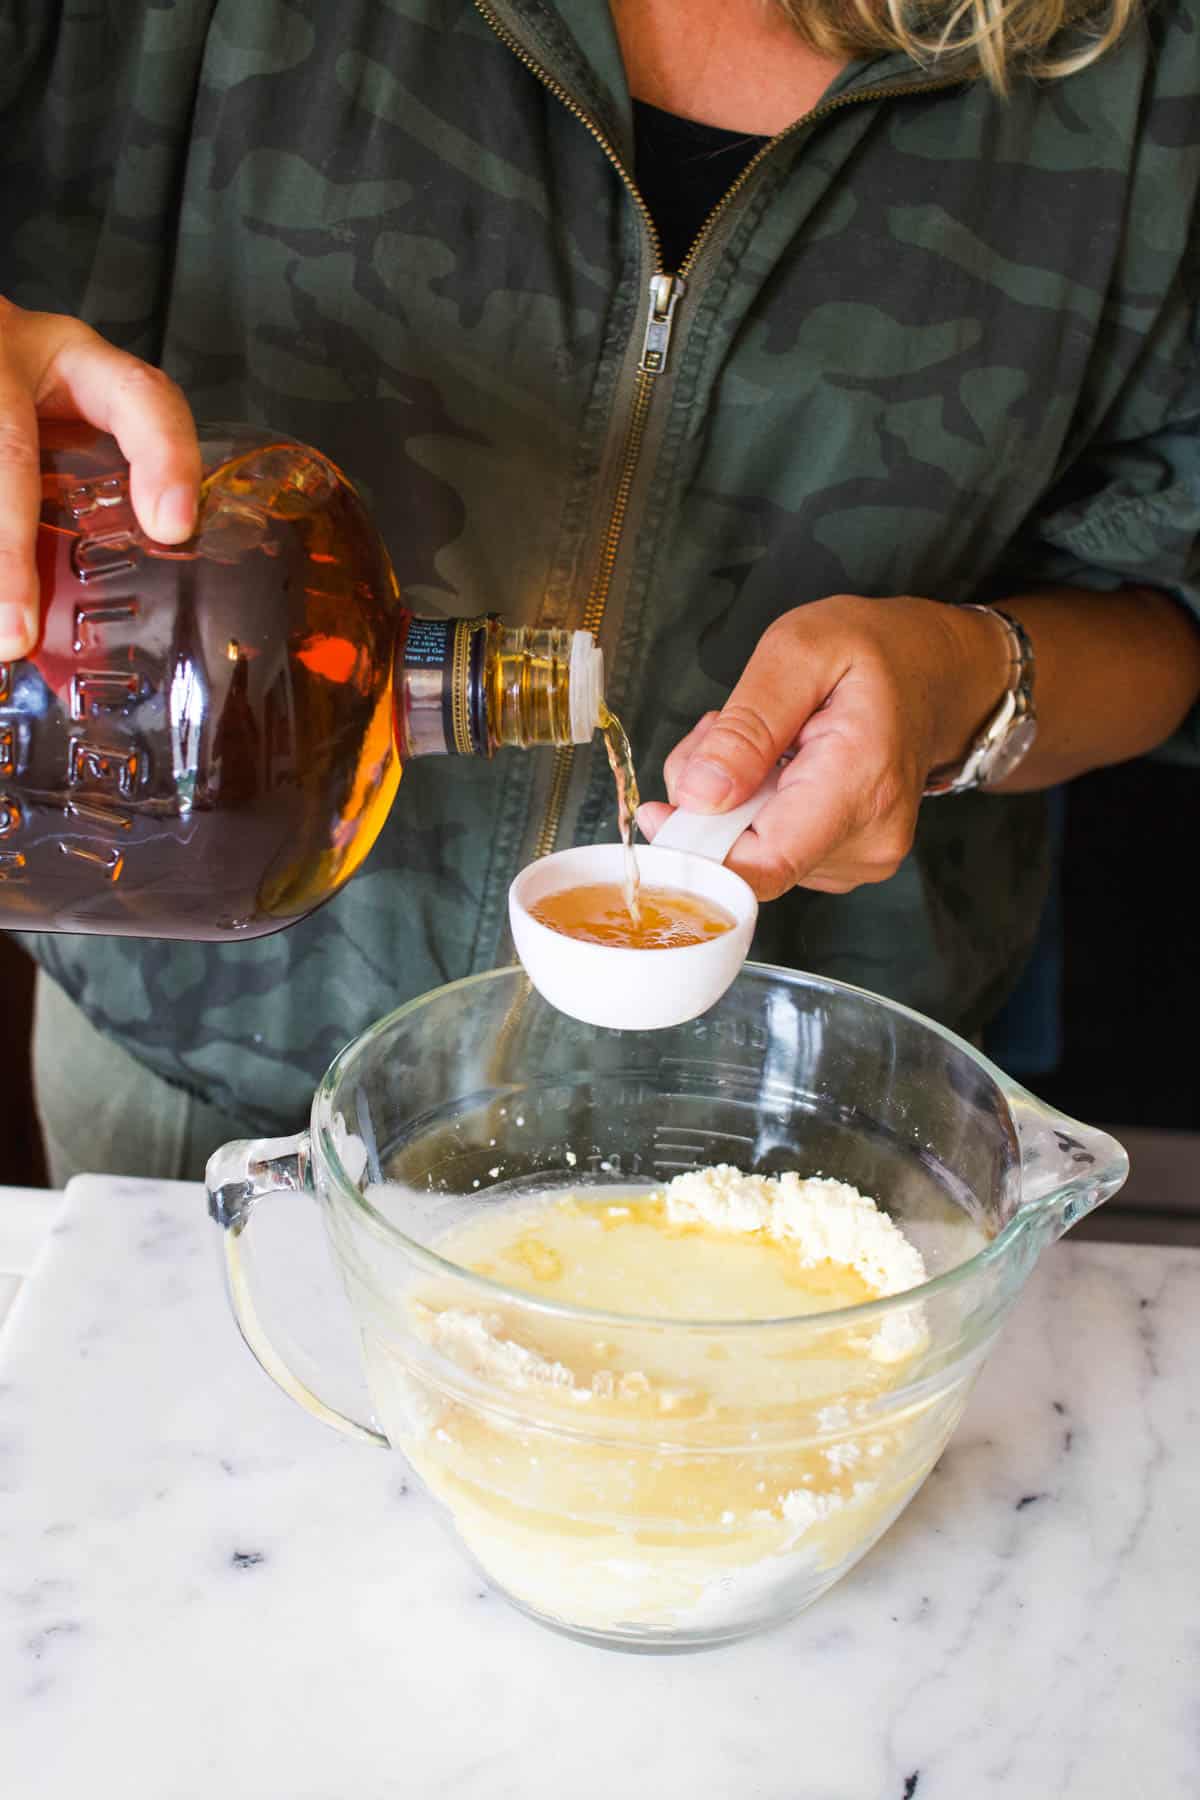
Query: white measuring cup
(641,990)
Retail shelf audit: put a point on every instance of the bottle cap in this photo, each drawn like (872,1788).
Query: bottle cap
(585,685)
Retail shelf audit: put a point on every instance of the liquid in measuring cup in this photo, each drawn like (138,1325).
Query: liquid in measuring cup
(599,913)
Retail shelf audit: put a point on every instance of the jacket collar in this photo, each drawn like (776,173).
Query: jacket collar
(574,43)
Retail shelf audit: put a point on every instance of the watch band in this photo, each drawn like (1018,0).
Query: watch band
(1009,733)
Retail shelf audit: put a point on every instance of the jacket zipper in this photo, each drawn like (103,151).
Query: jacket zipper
(666,290)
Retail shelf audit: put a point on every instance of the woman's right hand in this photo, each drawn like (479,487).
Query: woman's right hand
(53,367)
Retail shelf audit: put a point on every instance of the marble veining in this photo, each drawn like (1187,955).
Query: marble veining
(202,1592)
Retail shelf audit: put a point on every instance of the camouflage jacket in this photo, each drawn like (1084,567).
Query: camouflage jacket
(932,342)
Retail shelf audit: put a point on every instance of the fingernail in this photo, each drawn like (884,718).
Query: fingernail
(18,630)
(705,782)
(175,514)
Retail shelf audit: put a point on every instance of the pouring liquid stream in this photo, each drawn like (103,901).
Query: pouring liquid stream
(626,914)
(620,760)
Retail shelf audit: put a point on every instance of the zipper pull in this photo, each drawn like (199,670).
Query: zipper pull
(665,294)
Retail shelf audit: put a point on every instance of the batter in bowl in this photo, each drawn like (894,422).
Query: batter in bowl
(610,1473)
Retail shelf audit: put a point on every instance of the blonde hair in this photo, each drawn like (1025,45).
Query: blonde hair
(995,39)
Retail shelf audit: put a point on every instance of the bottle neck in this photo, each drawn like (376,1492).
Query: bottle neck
(468,687)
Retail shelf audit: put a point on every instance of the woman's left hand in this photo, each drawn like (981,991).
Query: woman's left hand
(868,696)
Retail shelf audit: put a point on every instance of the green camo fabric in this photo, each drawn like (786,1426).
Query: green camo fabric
(939,344)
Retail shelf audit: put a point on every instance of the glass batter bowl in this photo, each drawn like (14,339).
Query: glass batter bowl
(658,1483)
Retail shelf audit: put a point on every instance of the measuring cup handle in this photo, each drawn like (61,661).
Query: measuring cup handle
(238,1176)
(713,835)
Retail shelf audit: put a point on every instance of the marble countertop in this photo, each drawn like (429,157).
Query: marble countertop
(202,1593)
(26,1215)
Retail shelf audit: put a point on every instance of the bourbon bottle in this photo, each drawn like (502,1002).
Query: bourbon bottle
(208,736)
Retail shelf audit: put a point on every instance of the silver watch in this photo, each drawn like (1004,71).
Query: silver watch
(1009,734)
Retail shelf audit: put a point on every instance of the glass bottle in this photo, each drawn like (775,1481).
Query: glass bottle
(208,737)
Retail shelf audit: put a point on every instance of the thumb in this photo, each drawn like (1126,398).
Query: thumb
(770,705)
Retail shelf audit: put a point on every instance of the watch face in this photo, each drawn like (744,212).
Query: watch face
(1017,743)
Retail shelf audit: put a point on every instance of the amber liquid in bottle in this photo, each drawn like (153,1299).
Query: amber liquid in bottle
(207,739)
(668,919)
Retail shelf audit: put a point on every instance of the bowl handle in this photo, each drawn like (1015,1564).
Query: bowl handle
(1067,1168)
(238,1176)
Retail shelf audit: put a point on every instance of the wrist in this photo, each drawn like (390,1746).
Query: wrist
(977,666)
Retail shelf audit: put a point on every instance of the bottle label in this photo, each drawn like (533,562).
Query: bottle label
(429,644)
(444,701)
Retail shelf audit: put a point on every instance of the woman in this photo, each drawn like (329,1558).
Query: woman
(755,345)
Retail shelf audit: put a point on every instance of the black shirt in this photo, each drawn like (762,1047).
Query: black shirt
(683,169)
